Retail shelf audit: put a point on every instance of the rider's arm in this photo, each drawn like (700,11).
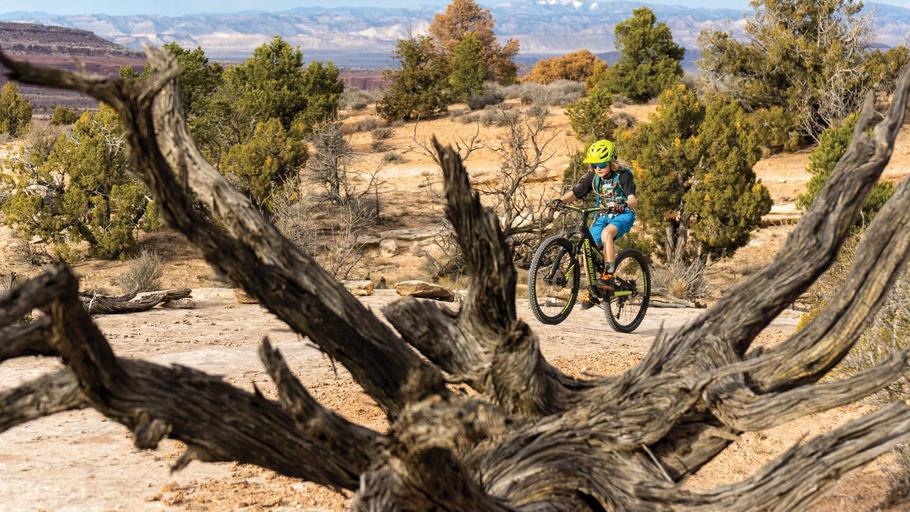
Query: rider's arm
(580,189)
(627,182)
(568,197)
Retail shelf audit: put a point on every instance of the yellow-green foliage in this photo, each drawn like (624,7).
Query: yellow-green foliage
(832,145)
(81,191)
(649,58)
(268,159)
(693,165)
(590,116)
(15,111)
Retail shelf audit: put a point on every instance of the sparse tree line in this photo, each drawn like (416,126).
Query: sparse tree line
(257,121)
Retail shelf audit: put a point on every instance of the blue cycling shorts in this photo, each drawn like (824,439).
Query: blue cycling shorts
(623,223)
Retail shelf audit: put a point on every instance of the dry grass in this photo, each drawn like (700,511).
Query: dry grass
(680,280)
(143,274)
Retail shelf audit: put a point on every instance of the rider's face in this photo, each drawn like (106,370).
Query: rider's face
(606,170)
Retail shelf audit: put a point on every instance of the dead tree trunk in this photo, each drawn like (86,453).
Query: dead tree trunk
(531,438)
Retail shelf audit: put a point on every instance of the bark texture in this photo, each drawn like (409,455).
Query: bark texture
(531,438)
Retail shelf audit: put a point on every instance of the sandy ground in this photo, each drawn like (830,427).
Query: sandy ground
(80,461)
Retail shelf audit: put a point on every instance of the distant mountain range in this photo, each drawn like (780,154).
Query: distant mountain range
(364,36)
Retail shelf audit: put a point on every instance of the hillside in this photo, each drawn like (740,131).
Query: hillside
(68,48)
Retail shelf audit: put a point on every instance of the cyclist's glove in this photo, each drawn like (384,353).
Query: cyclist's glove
(556,204)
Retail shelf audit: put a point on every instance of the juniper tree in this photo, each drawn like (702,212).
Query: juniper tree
(15,111)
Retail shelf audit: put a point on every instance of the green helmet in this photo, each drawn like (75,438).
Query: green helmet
(600,152)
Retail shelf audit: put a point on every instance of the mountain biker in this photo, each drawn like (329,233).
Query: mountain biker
(614,187)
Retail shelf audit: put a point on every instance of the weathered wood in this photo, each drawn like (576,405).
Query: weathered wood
(30,339)
(98,304)
(49,394)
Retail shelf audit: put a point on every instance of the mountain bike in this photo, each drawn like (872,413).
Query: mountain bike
(554,278)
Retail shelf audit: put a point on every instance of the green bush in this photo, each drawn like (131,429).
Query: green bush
(693,166)
(467,71)
(832,145)
(274,84)
(64,116)
(262,164)
(590,116)
(418,88)
(15,111)
(649,58)
(81,191)
(775,129)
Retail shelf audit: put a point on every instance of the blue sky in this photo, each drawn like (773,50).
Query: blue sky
(179,7)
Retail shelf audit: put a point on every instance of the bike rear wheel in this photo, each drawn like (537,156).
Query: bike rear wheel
(553,281)
(631,293)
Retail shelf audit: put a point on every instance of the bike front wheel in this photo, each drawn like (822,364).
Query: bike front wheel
(553,281)
(631,293)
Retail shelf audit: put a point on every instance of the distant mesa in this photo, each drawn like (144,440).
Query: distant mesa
(65,47)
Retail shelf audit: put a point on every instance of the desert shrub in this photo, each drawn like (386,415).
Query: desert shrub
(15,111)
(538,110)
(649,59)
(418,88)
(366,124)
(804,56)
(379,136)
(832,145)
(484,99)
(143,274)
(466,74)
(470,118)
(499,116)
(681,280)
(576,66)
(464,19)
(391,157)
(558,93)
(381,133)
(81,190)
(590,116)
(263,163)
(327,231)
(623,121)
(357,99)
(693,167)
(64,116)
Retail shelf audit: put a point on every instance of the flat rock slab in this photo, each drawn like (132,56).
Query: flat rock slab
(424,290)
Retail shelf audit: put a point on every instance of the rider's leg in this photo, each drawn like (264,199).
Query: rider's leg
(608,237)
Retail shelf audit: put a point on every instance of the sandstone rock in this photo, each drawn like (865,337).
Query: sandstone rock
(186,303)
(424,290)
(388,248)
(359,288)
(243,297)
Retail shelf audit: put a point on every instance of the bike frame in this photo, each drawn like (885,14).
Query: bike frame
(588,251)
